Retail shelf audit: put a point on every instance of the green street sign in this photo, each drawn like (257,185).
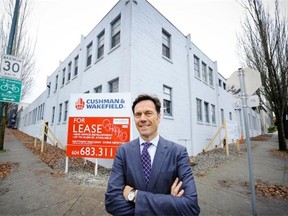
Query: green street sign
(10,90)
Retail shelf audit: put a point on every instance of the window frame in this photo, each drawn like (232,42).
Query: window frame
(204,72)
(100,44)
(56,83)
(167,101)
(115,32)
(213,114)
(197,67)
(166,44)
(60,113)
(66,103)
(206,112)
(53,115)
(96,89)
(211,77)
(199,110)
(76,66)
(69,71)
(63,76)
(112,87)
(89,49)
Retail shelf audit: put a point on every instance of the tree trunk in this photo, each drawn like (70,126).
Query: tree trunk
(281,136)
(285,123)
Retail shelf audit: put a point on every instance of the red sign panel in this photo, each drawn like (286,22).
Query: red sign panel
(96,137)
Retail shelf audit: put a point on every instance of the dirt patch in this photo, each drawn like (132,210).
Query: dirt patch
(279,154)
(262,137)
(269,190)
(6,168)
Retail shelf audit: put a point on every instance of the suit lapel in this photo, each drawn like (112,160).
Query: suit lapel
(136,162)
(158,161)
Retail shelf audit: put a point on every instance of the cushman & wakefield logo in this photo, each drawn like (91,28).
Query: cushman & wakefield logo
(80,104)
(96,103)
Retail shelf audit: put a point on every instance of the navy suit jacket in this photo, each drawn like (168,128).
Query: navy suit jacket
(171,160)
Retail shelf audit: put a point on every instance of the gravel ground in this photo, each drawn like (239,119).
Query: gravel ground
(83,171)
(201,165)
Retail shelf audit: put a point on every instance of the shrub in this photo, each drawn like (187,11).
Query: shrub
(272,129)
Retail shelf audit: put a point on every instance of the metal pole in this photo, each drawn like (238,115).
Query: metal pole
(9,52)
(247,134)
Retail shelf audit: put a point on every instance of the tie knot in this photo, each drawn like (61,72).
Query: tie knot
(147,145)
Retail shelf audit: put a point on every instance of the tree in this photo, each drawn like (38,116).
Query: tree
(23,46)
(264,43)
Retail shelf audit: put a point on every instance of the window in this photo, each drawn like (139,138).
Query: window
(199,109)
(197,67)
(65,111)
(89,54)
(222,116)
(114,85)
(166,44)
(49,88)
(211,80)
(53,114)
(167,101)
(224,86)
(63,76)
(100,47)
(213,113)
(207,114)
(56,83)
(220,82)
(115,32)
(230,116)
(60,112)
(98,89)
(204,72)
(69,71)
(42,114)
(39,112)
(76,60)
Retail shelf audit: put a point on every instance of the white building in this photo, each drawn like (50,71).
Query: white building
(136,49)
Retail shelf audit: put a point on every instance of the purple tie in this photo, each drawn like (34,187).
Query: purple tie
(146,161)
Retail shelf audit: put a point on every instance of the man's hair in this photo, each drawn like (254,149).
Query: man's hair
(143,97)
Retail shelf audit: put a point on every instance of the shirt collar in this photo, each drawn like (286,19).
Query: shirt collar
(153,141)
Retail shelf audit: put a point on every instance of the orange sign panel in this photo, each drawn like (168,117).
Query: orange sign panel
(96,137)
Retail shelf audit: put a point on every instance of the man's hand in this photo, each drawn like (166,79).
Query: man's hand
(176,187)
(126,191)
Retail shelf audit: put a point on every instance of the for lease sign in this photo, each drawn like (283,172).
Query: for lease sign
(98,124)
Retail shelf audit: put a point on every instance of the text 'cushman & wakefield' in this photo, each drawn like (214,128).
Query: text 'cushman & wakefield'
(105,103)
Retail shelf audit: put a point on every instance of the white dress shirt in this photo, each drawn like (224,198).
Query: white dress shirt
(152,148)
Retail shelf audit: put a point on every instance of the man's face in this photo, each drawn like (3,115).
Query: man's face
(146,119)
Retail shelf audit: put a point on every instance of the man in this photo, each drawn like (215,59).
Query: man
(134,188)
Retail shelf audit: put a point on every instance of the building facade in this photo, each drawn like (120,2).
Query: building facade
(135,49)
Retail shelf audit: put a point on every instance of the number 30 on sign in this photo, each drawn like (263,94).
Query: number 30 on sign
(11,67)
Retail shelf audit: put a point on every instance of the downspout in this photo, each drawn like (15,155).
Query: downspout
(218,123)
(188,48)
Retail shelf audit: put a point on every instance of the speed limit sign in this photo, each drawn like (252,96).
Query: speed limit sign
(11,66)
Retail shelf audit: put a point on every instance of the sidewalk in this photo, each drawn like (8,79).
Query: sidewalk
(32,189)
(225,191)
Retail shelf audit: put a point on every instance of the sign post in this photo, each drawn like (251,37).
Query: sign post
(243,96)
(9,52)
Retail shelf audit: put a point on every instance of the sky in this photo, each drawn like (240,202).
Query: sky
(59,24)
